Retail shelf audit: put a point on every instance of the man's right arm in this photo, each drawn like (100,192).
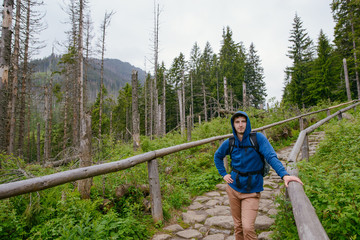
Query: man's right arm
(219,156)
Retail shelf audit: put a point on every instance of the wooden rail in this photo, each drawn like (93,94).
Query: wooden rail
(307,222)
(40,183)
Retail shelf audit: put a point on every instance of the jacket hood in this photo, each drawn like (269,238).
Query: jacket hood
(248,125)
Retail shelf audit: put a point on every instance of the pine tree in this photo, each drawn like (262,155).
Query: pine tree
(232,64)
(254,78)
(301,53)
(347,36)
(324,80)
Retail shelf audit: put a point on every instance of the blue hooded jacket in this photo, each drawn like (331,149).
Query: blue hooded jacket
(247,159)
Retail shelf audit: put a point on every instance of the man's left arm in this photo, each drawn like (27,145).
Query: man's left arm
(271,157)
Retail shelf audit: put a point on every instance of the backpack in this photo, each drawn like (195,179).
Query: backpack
(266,167)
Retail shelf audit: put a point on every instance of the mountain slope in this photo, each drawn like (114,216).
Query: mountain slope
(116,73)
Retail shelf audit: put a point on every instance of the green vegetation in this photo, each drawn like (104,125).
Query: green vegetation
(331,181)
(115,213)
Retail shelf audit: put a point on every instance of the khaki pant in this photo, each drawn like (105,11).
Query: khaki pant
(244,208)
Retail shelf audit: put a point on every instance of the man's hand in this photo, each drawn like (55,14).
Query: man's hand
(288,179)
(228,178)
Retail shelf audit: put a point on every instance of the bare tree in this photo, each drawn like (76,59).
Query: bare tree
(15,72)
(88,25)
(204,96)
(104,25)
(135,111)
(156,56)
(5,61)
(226,94)
(163,119)
(85,119)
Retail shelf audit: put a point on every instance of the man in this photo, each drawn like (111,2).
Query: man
(245,182)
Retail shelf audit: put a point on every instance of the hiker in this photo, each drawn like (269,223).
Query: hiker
(245,182)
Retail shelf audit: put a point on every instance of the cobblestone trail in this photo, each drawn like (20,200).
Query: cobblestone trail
(209,217)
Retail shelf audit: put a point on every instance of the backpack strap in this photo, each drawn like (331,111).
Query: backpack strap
(253,140)
(231,144)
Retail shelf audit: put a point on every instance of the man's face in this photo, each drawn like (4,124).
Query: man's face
(240,124)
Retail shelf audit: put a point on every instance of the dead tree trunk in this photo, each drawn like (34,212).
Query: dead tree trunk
(182,120)
(347,85)
(46,113)
(226,95)
(104,26)
(15,66)
(244,95)
(24,80)
(192,99)
(204,96)
(164,107)
(151,109)
(5,61)
(135,111)
(66,105)
(183,99)
(156,56)
(146,107)
(85,119)
(38,144)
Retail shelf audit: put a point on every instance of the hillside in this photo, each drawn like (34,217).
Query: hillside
(116,73)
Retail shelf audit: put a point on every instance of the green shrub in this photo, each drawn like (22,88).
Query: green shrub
(331,180)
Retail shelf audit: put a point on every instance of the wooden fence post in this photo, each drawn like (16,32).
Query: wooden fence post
(155,192)
(305,149)
(328,112)
(339,116)
(264,132)
(301,123)
(38,145)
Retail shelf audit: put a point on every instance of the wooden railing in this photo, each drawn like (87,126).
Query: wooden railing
(296,192)
(307,222)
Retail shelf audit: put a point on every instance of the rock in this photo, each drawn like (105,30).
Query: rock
(197,225)
(221,186)
(212,202)
(220,221)
(161,237)
(265,204)
(264,235)
(263,222)
(174,228)
(203,230)
(266,195)
(191,233)
(216,231)
(212,194)
(195,205)
(202,199)
(272,211)
(190,217)
(218,236)
(219,211)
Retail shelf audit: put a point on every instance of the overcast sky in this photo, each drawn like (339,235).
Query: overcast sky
(266,23)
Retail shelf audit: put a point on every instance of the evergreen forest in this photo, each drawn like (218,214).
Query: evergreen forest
(76,110)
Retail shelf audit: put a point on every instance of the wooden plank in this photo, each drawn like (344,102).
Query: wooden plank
(307,222)
(305,149)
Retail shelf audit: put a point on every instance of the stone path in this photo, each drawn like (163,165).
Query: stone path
(209,217)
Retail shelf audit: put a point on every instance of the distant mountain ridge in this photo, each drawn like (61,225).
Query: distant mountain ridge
(116,73)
